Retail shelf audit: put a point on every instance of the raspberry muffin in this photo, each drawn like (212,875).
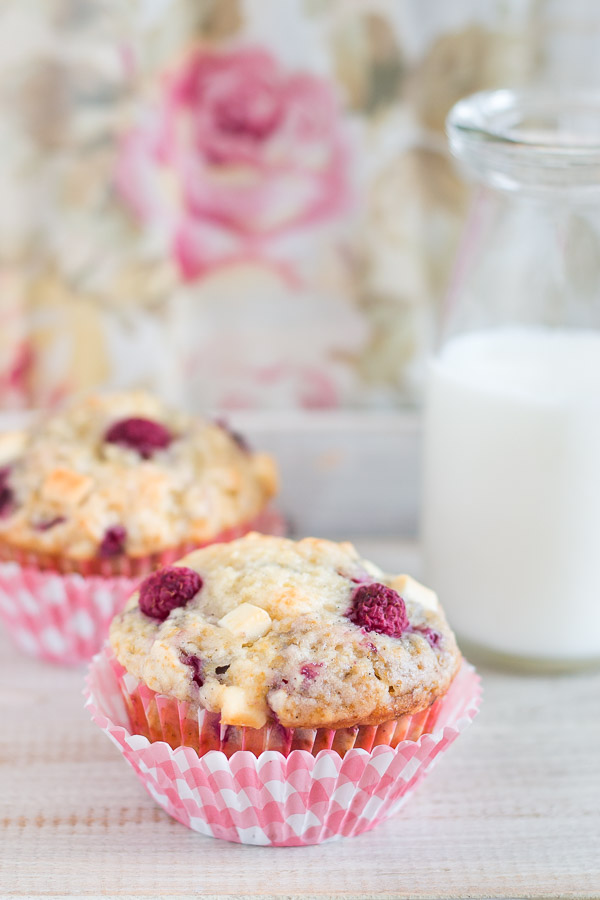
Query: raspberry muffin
(266,643)
(107,490)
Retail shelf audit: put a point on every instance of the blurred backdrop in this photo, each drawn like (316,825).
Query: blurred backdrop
(244,204)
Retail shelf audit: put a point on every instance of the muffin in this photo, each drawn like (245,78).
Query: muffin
(108,489)
(266,643)
(279,693)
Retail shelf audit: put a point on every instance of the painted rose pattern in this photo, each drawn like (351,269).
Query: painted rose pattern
(237,155)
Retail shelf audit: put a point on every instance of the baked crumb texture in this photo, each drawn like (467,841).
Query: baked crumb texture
(306,634)
(122,474)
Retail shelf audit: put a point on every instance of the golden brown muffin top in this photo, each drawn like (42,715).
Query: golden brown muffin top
(123,473)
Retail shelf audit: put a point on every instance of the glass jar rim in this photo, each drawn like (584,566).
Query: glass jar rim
(535,139)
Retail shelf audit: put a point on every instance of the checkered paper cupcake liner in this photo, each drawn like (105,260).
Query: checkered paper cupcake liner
(64,617)
(273,799)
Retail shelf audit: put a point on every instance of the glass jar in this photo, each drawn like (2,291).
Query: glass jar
(511,505)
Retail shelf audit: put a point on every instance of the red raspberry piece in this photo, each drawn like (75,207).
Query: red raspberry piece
(432,636)
(235,436)
(47,524)
(196,665)
(113,542)
(376,607)
(167,589)
(6,493)
(310,670)
(143,435)
(369,645)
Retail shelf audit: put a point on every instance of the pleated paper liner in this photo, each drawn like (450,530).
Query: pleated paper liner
(273,798)
(162,718)
(60,610)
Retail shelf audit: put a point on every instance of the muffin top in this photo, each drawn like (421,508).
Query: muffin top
(118,474)
(303,633)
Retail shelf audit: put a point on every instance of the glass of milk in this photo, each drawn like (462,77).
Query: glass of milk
(511,504)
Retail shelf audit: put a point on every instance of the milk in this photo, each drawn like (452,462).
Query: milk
(511,509)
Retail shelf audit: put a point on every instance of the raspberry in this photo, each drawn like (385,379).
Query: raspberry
(6,493)
(235,436)
(47,524)
(113,542)
(167,589)
(376,607)
(310,670)
(433,637)
(369,645)
(195,664)
(142,435)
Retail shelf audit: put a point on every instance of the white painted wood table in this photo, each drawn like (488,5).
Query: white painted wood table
(513,809)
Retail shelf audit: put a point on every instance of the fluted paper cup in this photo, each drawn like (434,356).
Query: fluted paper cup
(274,799)
(63,616)
(162,718)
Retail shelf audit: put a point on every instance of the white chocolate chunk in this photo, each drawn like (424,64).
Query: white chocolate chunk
(66,486)
(414,592)
(238,709)
(248,621)
(12,444)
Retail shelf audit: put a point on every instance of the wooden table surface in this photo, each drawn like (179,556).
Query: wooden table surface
(513,809)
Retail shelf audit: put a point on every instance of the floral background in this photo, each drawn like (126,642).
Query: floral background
(238,203)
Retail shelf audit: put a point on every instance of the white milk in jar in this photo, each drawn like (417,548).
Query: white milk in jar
(511,509)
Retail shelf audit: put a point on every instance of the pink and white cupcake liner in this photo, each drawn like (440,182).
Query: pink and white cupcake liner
(59,618)
(272,799)
(64,617)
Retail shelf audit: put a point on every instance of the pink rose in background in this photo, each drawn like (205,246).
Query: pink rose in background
(238,157)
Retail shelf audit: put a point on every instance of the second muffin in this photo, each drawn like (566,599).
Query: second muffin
(101,493)
(117,479)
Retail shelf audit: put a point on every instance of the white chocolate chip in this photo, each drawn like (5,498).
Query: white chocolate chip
(12,444)
(238,709)
(415,592)
(248,621)
(66,486)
